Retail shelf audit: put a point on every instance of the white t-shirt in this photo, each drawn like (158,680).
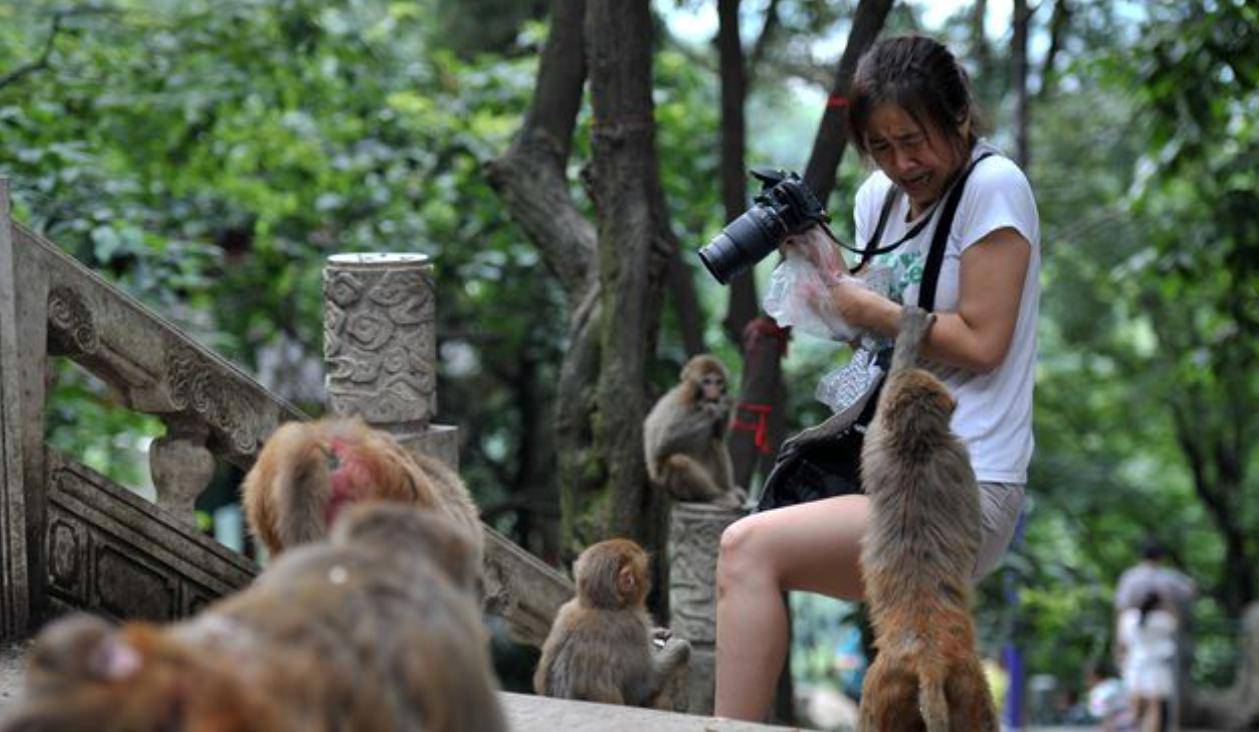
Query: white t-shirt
(994,410)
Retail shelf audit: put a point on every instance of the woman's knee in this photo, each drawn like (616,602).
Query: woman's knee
(742,556)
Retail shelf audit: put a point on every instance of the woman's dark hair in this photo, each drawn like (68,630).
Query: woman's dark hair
(1150,602)
(917,74)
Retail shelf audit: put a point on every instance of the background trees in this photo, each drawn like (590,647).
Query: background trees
(205,153)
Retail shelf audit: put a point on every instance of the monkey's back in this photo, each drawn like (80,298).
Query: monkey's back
(601,656)
(925,523)
(380,643)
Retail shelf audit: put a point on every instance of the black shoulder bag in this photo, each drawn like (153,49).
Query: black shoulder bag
(825,460)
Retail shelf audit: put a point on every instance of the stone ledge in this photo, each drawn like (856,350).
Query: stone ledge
(527,713)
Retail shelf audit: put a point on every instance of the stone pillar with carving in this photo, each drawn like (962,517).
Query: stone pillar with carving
(380,347)
(694,538)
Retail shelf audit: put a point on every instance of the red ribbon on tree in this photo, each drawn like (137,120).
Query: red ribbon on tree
(765,327)
(759,428)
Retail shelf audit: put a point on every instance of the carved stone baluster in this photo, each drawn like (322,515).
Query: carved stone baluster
(380,346)
(181,466)
(695,536)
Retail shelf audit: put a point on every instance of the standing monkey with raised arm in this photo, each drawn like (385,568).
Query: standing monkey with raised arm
(600,646)
(307,472)
(684,436)
(374,630)
(919,555)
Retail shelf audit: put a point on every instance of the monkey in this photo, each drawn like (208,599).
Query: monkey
(918,555)
(307,472)
(684,437)
(601,644)
(374,629)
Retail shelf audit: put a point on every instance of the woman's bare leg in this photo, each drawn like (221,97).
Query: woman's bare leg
(815,547)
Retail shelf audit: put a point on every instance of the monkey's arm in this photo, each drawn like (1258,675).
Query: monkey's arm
(915,322)
(670,660)
(687,433)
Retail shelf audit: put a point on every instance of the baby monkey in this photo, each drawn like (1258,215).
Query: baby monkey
(375,630)
(600,646)
(918,556)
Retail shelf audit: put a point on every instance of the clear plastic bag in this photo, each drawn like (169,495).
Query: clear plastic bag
(797,296)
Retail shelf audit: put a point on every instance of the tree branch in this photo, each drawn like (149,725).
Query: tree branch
(832,132)
(41,62)
(531,176)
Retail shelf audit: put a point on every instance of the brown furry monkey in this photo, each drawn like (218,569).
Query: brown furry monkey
(308,471)
(600,646)
(918,556)
(684,436)
(375,630)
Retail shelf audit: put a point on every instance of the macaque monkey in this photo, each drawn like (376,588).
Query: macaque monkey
(601,647)
(307,472)
(374,630)
(684,437)
(918,556)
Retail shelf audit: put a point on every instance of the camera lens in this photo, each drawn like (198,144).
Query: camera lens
(744,242)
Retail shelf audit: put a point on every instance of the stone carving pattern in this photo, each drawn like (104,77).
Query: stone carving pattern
(67,557)
(379,342)
(694,538)
(197,382)
(91,569)
(72,327)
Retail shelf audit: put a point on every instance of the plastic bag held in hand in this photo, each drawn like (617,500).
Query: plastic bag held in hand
(798,288)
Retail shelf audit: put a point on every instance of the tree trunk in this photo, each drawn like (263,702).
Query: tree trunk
(832,132)
(532,180)
(625,186)
(1059,22)
(979,49)
(1018,54)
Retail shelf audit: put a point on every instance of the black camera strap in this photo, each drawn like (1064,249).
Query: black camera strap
(939,240)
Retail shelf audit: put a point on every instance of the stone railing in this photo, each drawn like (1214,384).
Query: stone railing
(69,538)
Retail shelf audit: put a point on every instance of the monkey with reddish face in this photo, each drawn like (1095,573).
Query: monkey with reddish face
(374,630)
(307,472)
(918,556)
(684,437)
(600,647)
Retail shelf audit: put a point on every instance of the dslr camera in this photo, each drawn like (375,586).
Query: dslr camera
(785,206)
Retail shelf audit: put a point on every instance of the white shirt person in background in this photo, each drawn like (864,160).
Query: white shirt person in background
(1148,633)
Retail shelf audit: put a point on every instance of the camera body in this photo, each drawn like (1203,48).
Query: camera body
(785,206)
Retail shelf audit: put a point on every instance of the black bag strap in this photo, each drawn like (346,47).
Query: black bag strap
(940,240)
(889,200)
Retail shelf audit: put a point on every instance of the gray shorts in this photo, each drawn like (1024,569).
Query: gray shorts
(999,506)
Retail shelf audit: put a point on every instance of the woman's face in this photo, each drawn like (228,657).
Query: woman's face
(921,160)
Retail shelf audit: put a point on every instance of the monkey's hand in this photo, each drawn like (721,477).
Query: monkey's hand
(915,322)
(661,636)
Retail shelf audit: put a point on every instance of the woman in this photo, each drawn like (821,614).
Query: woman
(1148,633)
(910,111)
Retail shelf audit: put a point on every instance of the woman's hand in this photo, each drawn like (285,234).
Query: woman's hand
(819,250)
(855,304)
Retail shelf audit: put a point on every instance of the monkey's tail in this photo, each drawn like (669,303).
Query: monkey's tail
(933,703)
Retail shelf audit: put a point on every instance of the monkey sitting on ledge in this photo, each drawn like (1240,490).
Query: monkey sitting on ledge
(600,647)
(308,471)
(918,556)
(684,437)
(375,630)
